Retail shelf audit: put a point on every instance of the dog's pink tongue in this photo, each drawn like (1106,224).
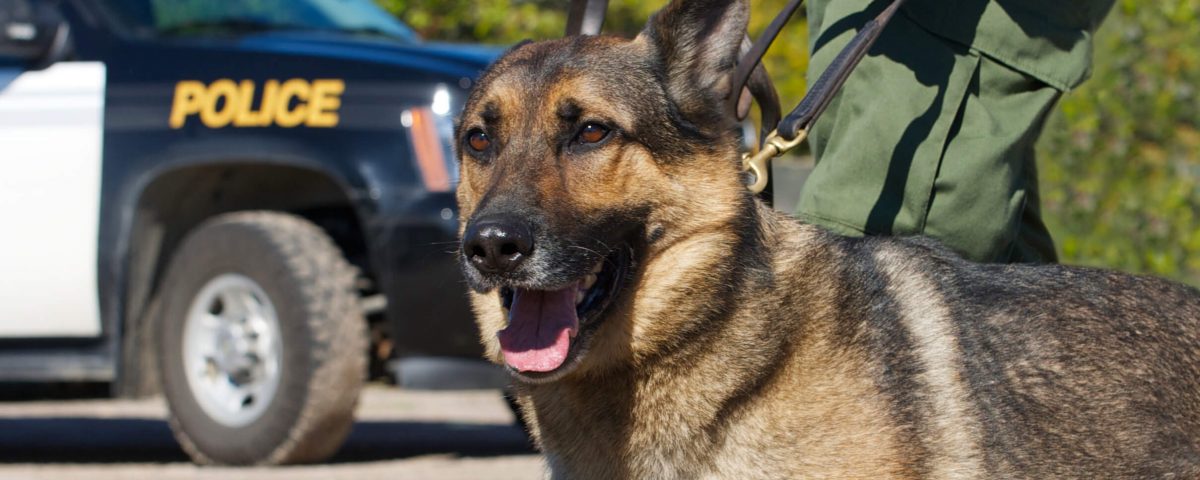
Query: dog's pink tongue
(540,328)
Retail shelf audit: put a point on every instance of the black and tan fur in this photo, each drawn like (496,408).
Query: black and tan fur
(744,344)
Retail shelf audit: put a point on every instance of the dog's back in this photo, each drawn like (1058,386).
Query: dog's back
(1020,371)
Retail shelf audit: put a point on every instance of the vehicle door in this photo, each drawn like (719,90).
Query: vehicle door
(51,120)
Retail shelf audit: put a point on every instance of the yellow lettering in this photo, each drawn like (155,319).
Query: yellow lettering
(246,116)
(285,115)
(188,96)
(210,114)
(270,98)
(326,99)
(287,104)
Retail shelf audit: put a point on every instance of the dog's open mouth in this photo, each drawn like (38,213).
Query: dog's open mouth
(546,328)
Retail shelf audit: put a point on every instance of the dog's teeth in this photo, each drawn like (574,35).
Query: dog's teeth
(578,297)
(599,266)
(589,281)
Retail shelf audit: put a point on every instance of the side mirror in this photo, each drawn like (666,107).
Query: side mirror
(31,31)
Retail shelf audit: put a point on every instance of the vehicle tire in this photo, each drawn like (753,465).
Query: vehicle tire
(263,349)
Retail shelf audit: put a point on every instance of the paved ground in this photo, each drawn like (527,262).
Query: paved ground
(400,435)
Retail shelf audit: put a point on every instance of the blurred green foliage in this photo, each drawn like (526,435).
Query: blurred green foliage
(1120,159)
(488,21)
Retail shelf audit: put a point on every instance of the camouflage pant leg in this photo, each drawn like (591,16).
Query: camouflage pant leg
(930,137)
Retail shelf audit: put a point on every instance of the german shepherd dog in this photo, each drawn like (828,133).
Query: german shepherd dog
(662,323)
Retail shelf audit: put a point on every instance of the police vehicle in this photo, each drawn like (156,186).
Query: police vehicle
(240,204)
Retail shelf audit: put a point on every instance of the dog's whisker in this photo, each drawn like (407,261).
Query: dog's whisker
(594,252)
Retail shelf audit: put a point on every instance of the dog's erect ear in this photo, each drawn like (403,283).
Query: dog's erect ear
(697,43)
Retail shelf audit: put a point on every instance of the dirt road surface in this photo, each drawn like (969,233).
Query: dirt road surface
(399,435)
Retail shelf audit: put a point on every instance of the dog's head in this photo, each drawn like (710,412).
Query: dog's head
(582,161)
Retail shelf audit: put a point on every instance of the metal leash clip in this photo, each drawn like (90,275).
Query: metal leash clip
(759,163)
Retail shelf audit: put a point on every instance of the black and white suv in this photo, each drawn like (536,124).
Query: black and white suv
(239,203)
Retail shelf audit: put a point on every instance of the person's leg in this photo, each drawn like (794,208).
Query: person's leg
(879,143)
(1034,244)
(930,138)
(984,201)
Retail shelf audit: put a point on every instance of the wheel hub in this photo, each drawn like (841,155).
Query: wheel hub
(237,355)
(232,349)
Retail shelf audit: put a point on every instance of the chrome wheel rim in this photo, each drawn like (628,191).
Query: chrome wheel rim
(232,350)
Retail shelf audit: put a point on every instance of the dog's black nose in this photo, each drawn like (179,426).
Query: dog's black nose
(497,244)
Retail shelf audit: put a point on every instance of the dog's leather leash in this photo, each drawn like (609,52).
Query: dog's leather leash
(753,58)
(793,129)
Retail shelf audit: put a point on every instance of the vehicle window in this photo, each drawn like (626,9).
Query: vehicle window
(206,17)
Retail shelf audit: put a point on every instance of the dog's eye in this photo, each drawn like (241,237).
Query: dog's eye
(478,141)
(592,133)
